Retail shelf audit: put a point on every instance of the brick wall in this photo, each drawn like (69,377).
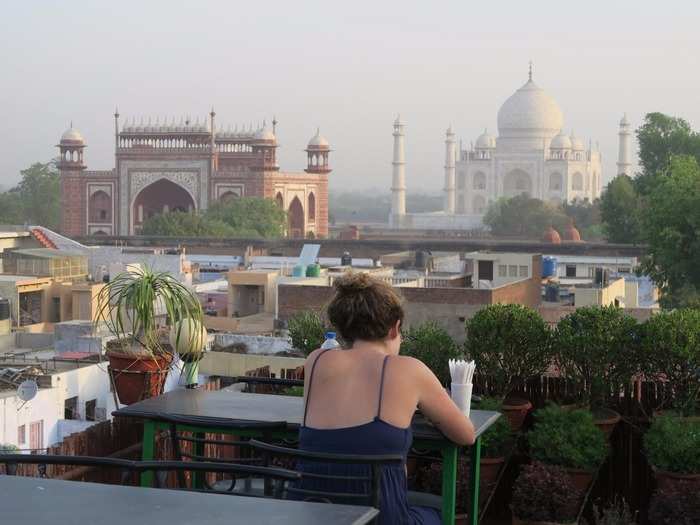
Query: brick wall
(72,204)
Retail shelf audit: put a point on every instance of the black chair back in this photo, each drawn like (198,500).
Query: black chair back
(374,463)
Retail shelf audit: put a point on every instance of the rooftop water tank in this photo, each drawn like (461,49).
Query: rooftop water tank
(299,271)
(346,259)
(549,266)
(313,270)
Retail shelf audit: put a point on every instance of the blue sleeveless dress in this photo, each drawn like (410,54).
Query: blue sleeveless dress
(373,438)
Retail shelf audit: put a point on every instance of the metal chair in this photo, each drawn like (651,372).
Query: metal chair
(198,443)
(130,467)
(372,480)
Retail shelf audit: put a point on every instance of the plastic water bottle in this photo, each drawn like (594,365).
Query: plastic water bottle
(330,341)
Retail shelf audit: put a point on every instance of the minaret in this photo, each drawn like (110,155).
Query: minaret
(116,129)
(450,154)
(213,159)
(398,179)
(624,157)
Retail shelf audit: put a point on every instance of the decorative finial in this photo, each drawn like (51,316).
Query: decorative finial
(212,113)
(274,125)
(71,124)
(529,73)
(318,130)
(116,112)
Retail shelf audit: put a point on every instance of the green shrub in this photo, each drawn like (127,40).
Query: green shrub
(497,441)
(296,391)
(618,513)
(429,342)
(567,438)
(306,331)
(670,343)
(510,344)
(673,444)
(545,493)
(596,347)
(8,448)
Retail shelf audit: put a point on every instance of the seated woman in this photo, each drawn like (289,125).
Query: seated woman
(361,399)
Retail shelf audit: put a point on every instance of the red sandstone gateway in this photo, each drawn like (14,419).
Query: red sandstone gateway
(186,165)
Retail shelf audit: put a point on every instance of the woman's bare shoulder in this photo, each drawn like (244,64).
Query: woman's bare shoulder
(410,364)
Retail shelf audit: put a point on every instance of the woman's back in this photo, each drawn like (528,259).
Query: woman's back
(346,416)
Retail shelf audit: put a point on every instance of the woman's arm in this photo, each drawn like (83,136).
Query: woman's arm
(436,404)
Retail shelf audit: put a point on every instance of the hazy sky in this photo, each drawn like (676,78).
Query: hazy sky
(348,67)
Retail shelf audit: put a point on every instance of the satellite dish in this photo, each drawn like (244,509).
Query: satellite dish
(27,390)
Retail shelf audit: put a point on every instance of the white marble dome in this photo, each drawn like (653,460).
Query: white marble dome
(561,141)
(72,135)
(264,134)
(318,141)
(529,112)
(485,141)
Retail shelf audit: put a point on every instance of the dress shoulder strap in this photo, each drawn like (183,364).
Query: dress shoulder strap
(311,378)
(381,388)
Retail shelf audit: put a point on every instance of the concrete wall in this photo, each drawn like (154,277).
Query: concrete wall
(231,365)
(591,296)
(89,382)
(256,344)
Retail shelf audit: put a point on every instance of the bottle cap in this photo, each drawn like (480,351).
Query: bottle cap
(330,335)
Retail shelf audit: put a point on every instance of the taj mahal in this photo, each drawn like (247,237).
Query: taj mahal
(531,155)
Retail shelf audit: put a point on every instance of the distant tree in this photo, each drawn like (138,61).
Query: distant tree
(185,224)
(586,217)
(306,331)
(39,193)
(660,138)
(671,228)
(250,216)
(620,211)
(523,216)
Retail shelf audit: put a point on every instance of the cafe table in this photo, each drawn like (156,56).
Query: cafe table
(211,411)
(41,501)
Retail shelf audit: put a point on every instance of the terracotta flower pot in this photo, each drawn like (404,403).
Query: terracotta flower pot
(489,469)
(516,410)
(581,479)
(518,521)
(138,377)
(668,480)
(606,419)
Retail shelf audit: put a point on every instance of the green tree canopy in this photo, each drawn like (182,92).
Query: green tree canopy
(671,226)
(250,216)
(185,224)
(523,216)
(620,211)
(238,217)
(35,200)
(660,138)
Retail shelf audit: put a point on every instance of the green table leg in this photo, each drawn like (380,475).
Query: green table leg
(198,477)
(147,450)
(449,484)
(474,482)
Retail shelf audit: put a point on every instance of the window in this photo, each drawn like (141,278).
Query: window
(571,270)
(70,408)
(502,270)
(485,270)
(36,435)
(624,269)
(103,215)
(523,271)
(512,270)
(21,435)
(90,407)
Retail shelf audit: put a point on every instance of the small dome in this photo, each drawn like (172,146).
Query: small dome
(73,136)
(264,134)
(485,141)
(577,143)
(318,141)
(551,236)
(561,141)
(571,233)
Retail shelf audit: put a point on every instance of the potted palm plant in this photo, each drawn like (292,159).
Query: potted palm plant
(131,306)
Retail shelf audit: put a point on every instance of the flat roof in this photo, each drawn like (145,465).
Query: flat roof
(47,253)
(10,278)
(589,259)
